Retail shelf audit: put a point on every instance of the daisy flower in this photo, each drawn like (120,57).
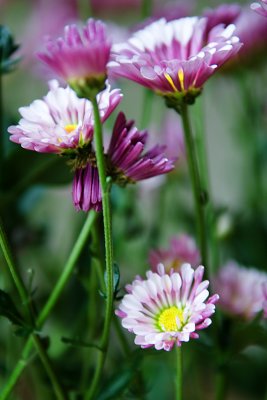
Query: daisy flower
(165,310)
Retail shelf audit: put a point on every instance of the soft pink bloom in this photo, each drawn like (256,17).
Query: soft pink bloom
(86,191)
(61,121)
(127,160)
(265,299)
(173,137)
(242,290)
(260,8)
(165,310)
(173,58)
(81,55)
(115,6)
(182,250)
(225,14)
(48,17)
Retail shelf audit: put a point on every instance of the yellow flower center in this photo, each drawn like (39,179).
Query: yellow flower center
(70,127)
(180,75)
(167,320)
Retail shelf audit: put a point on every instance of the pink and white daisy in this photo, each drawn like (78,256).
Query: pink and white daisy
(80,57)
(242,290)
(182,250)
(126,160)
(260,8)
(165,310)
(174,58)
(61,122)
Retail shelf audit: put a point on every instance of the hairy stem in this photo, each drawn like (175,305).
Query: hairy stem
(105,188)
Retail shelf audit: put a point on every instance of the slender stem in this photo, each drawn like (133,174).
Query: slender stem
(220,385)
(25,300)
(148,97)
(68,270)
(108,249)
(71,262)
(198,193)
(146,8)
(179,377)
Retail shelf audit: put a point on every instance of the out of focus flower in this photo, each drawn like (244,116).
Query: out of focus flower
(80,57)
(225,14)
(126,160)
(265,299)
(166,310)
(251,29)
(109,6)
(260,8)
(182,250)
(173,58)
(86,191)
(61,122)
(242,290)
(48,17)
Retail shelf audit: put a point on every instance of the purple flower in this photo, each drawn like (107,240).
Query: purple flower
(126,160)
(173,58)
(260,8)
(182,250)
(165,310)
(80,57)
(61,122)
(225,14)
(242,290)
(86,191)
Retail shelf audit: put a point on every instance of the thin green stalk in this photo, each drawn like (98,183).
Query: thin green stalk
(53,298)
(201,149)
(146,8)
(220,390)
(179,371)
(25,300)
(105,188)
(148,97)
(198,193)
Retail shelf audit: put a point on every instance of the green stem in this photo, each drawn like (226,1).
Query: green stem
(2,139)
(220,386)
(179,371)
(146,8)
(27,304)
(198,193)
(71,262)
(105,188)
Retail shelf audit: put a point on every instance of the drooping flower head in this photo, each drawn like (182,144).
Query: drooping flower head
(182,250)
(80,57)
(165,310)
(125,161)
(242,290)
(61,122)
(260,8)
(173,58)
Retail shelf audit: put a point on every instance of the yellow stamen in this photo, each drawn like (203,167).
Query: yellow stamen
(181,77)
(169,79)
(71,127)
(167,319)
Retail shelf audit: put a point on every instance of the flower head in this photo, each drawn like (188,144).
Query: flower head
(86,191)
(164,310)
(223,14)
(80,57)
(173,58)
(126,160)
(242,290)
(260,8)
(61,122)
(182,250)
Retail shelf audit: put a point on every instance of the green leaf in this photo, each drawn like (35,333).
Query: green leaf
(116,282)
(7,49)
(79,343)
